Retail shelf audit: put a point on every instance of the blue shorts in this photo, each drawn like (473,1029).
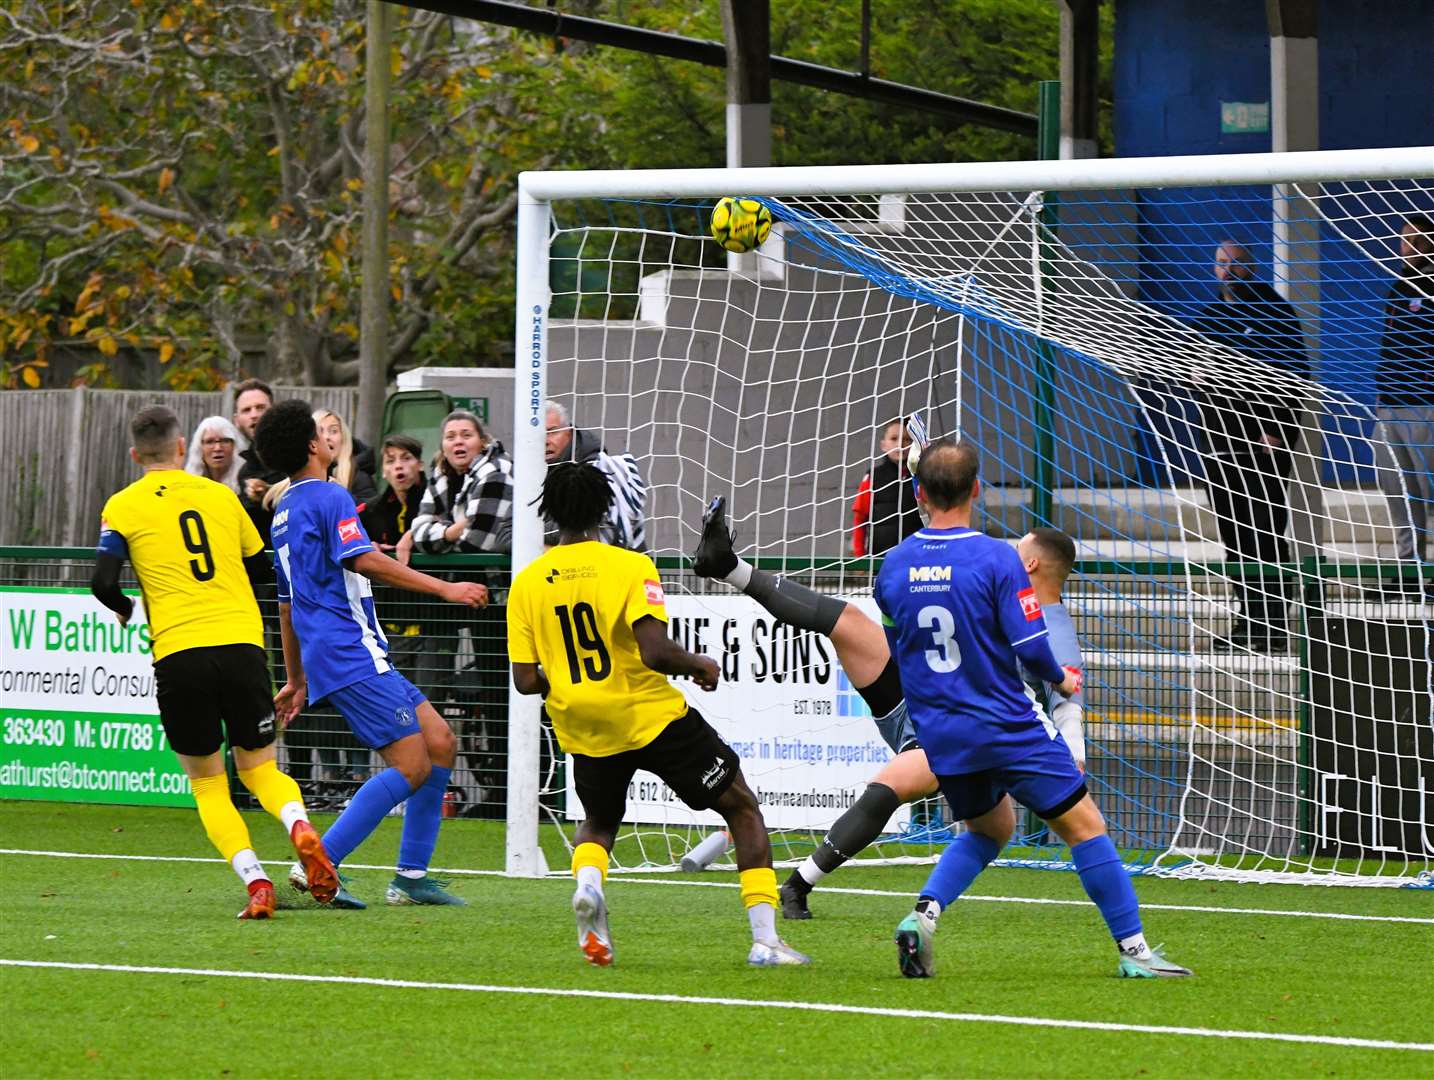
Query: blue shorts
(1046,782)
(380,709)
(897,729)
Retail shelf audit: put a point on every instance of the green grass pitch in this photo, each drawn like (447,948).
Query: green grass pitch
(1298,974)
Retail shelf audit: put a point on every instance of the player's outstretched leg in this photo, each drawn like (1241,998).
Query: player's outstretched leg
(792,603)
(905,777)
(738,807)
(590,861)
(959,865)
(1108,885)
(422,817)
(228,833)
(280,796)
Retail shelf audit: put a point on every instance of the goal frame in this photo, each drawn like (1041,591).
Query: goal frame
(538,190)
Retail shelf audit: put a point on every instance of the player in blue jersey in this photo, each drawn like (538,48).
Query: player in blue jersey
(959,611)
(1047,556)
(334,648)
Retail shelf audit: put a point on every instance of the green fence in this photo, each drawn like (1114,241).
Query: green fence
(1166,720)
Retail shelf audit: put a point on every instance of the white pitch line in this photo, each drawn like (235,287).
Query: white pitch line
(644,880)
(748,1003)
(1064,903)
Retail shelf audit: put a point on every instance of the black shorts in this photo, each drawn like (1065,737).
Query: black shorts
(204,693)
(688,756)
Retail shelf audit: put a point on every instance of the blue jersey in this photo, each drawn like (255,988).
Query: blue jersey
(958,608)
(316,527)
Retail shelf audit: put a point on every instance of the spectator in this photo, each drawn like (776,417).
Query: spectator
(624,525)
(468,504)
(214,452)
(1249,438)
(1405,382)
(388,519)
(352,465)
(252,399)
(884,511)
(468,507)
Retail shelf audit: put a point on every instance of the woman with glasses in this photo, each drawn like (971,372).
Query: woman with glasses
(214,452)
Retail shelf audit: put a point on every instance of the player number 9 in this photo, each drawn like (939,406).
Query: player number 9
(191,528)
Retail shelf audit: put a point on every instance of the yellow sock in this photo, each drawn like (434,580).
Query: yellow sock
(276,792)
(759,886)
(592,856)
(222,822)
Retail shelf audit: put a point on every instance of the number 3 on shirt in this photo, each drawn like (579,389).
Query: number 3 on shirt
(946,657)
(581,623)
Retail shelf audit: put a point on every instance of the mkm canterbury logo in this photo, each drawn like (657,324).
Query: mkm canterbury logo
(928,573)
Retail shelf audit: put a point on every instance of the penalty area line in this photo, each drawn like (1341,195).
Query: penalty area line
(739,1003)
(836,889)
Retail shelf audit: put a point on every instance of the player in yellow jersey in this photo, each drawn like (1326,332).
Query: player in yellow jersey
(587,629)
(195,552)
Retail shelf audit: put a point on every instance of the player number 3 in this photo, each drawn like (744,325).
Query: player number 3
(946,657)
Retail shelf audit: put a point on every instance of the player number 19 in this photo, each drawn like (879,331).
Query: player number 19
(580,631)
(946,656)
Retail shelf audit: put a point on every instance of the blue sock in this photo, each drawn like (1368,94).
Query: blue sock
(370,805)
(967,856)
(421,819)
(1106,882)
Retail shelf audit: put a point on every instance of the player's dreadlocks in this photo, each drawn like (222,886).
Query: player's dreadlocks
(575,497)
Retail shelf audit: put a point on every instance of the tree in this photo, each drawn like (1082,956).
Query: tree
(174,176)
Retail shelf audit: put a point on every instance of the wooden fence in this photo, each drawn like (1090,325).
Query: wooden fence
(67,451)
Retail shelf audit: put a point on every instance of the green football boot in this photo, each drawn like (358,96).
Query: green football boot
(1153,967)
(425,890)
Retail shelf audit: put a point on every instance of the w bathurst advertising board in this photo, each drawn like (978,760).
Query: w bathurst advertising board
(78,717)
(806,739)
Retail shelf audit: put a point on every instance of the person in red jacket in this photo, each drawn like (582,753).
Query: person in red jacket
(884,511)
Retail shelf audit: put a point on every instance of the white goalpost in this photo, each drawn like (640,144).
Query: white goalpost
(1244,479)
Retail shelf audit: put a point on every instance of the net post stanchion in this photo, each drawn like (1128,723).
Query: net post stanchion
(524,856)
(1043,479)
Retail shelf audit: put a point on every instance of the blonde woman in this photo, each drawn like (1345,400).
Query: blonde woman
(214,452)
(353,461)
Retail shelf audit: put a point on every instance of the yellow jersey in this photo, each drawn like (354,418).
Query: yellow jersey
(573,610)
(186,537)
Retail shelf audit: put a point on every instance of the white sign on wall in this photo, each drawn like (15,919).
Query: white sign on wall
(807,741)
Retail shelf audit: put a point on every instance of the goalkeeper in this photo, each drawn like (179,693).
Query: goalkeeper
(1047,554)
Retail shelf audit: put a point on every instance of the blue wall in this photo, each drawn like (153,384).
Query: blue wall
(1177,60)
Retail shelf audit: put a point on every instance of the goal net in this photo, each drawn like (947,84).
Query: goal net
(1215,374)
